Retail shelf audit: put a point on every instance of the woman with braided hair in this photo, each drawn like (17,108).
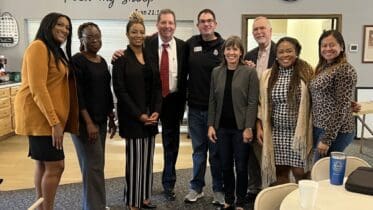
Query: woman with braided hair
(284,127)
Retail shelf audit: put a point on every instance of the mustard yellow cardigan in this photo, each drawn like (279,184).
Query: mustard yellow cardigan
(47,96)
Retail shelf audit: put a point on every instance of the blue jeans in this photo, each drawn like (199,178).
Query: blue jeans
(92,162)
(197,120)
(338,145)
(234,154)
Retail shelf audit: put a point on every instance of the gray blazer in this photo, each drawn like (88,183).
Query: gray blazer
(245,95)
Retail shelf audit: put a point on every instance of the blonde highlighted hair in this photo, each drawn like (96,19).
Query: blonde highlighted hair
(135,18)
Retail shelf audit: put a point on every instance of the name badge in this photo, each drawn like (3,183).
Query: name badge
(216,52)
(197,49)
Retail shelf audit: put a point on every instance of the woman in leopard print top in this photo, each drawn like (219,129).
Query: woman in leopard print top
(332,92)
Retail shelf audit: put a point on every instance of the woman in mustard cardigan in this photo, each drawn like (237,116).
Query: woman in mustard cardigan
(46,104)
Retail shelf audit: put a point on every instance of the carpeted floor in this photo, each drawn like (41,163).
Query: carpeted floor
(367,154)
(69,196)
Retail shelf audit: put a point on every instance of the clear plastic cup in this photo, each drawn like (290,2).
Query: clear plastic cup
(307,194)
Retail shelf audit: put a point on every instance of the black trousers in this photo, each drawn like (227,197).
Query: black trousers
(234,154)
(254,178)
(170,120)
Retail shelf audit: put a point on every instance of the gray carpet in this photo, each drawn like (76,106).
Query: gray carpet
(367,154)
(69,196)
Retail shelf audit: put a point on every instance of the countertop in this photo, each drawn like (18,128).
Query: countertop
(9,84)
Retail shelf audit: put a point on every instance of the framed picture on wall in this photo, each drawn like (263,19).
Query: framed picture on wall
(368,44)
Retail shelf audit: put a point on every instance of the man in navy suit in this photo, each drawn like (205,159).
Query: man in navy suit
(173,103)
(261,58)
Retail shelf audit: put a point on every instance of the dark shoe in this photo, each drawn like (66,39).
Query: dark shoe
(225,208)
(169,195)
(250,197)
(148,206)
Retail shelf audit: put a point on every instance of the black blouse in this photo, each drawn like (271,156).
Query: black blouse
(228,120)
(94,92)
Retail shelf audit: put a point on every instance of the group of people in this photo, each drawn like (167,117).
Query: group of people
(259,116)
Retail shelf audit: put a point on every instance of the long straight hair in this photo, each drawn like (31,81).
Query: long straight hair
(45,34)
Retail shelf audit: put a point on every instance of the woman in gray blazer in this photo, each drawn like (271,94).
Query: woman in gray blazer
(232,114)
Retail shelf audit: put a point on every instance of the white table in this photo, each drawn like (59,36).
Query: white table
(366,108)
(331,197)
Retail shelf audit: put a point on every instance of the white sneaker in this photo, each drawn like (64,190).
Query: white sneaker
(193,196)
(218,199)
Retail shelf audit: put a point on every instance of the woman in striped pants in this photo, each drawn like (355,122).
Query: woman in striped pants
(138,89)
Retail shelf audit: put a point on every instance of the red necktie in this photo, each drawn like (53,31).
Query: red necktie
(164,71)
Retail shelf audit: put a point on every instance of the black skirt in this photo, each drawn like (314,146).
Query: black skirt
(41,148)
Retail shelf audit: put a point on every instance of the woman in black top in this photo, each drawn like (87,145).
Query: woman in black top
(232,112)
(138,89)
(96,106)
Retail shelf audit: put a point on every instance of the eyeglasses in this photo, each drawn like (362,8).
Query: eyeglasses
(91,38)
(208,21)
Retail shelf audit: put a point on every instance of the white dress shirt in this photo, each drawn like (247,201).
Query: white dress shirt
(262,61)
(172,62)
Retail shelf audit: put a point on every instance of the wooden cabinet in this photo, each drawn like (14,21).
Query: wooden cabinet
(13,92)
(7,95)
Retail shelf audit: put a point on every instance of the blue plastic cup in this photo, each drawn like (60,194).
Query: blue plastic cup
(337,167)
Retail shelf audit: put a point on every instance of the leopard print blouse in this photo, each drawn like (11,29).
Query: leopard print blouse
(332,92)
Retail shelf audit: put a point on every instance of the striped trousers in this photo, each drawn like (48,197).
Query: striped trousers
(139,170)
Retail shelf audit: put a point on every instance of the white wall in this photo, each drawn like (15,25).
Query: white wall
(355,14)
(296,28)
